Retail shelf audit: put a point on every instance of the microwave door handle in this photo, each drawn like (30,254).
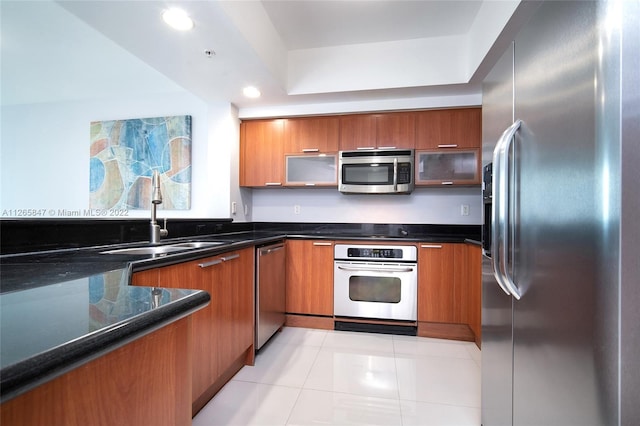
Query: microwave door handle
(395,174)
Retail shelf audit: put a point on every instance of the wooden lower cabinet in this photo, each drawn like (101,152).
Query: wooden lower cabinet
(474,262)
(223,331)
(449,279)
(145,382)
(310,283)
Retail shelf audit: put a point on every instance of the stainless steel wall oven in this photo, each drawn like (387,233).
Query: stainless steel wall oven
(376,282)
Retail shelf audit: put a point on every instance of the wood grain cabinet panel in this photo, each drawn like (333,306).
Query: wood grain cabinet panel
(222,331)
(358,131)
(262,153)
(311,135)
(449,128)
(436,282)
(396,130)
(235,305)
(448,146)
(146,382)
(310,277)
(385,130)
(474,262)
(449,290)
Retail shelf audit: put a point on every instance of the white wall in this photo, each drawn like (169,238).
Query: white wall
(423,206)
(44,152)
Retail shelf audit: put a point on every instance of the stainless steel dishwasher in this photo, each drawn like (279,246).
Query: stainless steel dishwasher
(270,291)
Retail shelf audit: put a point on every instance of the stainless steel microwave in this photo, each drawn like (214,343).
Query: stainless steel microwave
(376,171)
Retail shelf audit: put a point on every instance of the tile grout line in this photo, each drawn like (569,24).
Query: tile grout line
(305,380)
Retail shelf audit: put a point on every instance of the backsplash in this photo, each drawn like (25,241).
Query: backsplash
(19,236)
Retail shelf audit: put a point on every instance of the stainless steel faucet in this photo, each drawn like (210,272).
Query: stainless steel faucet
(156,198)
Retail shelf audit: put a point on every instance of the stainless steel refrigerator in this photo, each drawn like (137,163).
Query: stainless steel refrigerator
(561,274)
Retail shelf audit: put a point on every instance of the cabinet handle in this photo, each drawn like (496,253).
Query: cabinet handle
(218,261)
(310,149)
(210,263)
(321,244)
(366,147)
(309,184)
(228,258)
(273,184)
(444,145)
(434,246)
(447,182)
(386,147)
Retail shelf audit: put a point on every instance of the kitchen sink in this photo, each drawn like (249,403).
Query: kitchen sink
(198,244)
(169,248)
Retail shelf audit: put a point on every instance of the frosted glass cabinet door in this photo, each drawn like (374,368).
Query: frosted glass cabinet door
(311,170)
(456,167)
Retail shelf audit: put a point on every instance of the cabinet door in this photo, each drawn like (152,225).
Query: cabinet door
(396,130)
(449,128)
(311,170)
(190,275)
(310,277)
(448,167)
(261,153)
(234,296)
(309,135)
(358,131)
(436,282)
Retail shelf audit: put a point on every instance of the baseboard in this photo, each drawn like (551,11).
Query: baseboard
(309,321)
(446,331)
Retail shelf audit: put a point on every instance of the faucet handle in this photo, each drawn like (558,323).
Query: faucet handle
(164,231)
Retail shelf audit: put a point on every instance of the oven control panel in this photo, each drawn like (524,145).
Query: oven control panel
(375,252)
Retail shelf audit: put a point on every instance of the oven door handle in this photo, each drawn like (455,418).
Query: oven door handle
(381,269)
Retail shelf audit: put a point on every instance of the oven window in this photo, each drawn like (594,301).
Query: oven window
(374,289)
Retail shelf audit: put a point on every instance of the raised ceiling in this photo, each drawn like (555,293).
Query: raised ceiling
(296,52)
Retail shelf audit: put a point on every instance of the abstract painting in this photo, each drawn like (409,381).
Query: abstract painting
(124,154)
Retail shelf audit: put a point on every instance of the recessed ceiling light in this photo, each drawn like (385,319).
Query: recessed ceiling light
(251,92)
(177,19)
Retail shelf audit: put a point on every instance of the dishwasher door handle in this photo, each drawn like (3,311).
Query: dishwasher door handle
(267,250)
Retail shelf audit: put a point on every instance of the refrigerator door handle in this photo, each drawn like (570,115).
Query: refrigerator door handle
(500,211)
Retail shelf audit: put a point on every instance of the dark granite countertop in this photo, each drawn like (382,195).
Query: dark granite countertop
(63,308)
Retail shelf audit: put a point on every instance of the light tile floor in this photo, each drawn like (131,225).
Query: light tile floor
(318,377)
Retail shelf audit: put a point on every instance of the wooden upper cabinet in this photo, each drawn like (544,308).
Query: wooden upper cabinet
(311,135)
(396,130)
(449,128)
(369,131)
(357,131)
(262,153)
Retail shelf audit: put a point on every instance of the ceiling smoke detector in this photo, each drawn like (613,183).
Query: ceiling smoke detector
(177,19)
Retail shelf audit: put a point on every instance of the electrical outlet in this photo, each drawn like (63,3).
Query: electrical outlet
(234,207)
(296,209)
(464,210)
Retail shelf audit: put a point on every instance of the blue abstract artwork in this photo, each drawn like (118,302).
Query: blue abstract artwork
(124,154)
